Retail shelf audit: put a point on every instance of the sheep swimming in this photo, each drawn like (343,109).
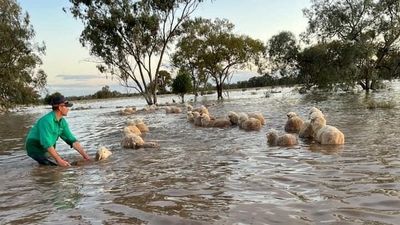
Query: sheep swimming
(294,123)
(132,129)
(102,154)
(135,141)
(274,139)
(257,115)
(233,117)
(306,130)
(326,134)
(315,112)
(249,124)
(172,109)
(206,121)
(128,111)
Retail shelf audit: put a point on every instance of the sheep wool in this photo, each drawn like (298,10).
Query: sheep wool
(103,153)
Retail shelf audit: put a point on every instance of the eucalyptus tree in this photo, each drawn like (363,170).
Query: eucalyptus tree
(282,52)
(164,80)
(216,51)
(20,76)
(131,37)
(182,84)
(186,55)
(371,26)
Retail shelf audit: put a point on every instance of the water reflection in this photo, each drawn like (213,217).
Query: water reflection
(209,175)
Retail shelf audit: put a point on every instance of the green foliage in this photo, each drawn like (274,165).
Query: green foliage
(182,84)
(369,28)
(20,80)
(132,37)
(216,51)
(164,81)
(282,50)
(105,92)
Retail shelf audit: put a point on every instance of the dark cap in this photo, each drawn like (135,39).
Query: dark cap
(60,99)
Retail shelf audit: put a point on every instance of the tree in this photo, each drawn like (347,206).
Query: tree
(186,56)
(131,37)
(20,78)
(372,27)
(164,80)
(182,84)
(282,51)
(218,50)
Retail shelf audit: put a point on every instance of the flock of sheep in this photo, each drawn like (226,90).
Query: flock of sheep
(314,128)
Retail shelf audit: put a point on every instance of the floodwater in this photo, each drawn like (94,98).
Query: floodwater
(209,175)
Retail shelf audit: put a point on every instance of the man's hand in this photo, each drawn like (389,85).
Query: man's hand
(63,163)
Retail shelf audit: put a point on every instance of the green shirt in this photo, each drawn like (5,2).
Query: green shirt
(45,133)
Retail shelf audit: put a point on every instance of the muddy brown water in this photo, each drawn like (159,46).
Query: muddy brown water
(209,175)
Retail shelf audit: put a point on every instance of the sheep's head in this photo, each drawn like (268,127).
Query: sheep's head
(291,115)
(317,123)
(272,136)
(233,117)
(196,114)
(102,153)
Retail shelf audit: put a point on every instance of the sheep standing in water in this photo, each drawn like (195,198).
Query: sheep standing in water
(306,130)
(102,154)
(190,116)
(274,139)
(249,124)
(233,117)
(315,112)
(257,115)
(140,125)
(135,141)
(132,129)
(294,123)
(206,121)
(326,134)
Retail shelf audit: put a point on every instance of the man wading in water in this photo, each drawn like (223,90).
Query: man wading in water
(42,137)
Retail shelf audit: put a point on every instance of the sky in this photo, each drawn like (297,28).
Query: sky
(71,70)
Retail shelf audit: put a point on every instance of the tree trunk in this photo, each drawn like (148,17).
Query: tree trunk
(219,91)
(183,98)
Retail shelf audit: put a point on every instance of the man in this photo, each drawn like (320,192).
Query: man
(42,138)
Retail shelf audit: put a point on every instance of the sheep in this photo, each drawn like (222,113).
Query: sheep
(141,126)
(128,111)
(135,141)
(202,110)
(233,117)
(326,134)
(102,154)
(189,107)
(306,130)
(132,129)
(197,118)
(206,121)
(249,124)
(173,109)
(190,116)
(221,123)
(257,115)
(315,112)
(294,123)
(274,139)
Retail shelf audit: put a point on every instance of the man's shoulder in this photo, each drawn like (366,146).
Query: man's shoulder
(47,118)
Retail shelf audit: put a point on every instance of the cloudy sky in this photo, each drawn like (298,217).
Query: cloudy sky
(71,69)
